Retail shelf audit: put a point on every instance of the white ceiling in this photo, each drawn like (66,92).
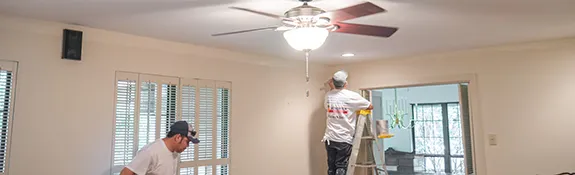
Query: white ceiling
(424,25)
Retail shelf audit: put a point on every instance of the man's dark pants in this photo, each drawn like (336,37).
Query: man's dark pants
(337,157)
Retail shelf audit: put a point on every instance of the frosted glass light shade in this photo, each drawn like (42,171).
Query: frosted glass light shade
(308,38)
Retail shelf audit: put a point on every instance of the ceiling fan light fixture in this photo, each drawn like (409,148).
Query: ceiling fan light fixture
(306,38)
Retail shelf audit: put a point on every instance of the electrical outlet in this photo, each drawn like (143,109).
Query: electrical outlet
(492,139)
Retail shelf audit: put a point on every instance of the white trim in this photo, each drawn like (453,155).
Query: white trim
(462,125)
(230,125)
(197,124)
(223,84)
(179,100)
(126,76)
(137,115)
(11,66)
(159,88)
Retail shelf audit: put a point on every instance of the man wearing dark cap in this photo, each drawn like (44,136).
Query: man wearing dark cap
(161,156)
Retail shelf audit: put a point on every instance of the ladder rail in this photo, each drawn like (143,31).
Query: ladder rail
(364,135)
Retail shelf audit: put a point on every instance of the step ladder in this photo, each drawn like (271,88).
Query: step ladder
(362,159)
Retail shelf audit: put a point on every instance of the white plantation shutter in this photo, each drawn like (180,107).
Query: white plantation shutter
(147,105)
(223,117)
(206,120)
(188,98)
(223,125)
(124,121)
(147,118)
(169,99)
(7,85)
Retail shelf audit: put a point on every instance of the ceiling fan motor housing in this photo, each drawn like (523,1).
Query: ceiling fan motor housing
(303,10)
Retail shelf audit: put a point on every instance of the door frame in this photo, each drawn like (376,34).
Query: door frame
(477,136)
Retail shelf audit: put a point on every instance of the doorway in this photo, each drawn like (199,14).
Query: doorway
(431,129)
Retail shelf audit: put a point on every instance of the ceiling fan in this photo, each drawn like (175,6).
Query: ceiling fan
(306,16)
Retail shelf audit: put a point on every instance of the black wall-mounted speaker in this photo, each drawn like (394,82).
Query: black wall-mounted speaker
(72,45)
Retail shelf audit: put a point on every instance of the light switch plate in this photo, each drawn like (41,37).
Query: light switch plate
(492,139)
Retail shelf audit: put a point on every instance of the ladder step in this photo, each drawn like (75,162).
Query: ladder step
(366,165)
(368,138)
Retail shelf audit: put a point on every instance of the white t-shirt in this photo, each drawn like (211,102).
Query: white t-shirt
(342,105)
(154,159)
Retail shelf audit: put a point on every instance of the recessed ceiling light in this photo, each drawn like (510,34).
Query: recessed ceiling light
(347,55)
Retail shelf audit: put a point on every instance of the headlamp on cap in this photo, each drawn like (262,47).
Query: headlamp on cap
(183,128)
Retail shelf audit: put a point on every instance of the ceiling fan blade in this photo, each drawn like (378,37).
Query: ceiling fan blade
(244,31)
(355,11)
(369,30)
(258,12)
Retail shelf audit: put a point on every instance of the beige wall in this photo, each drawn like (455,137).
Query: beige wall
(63,120)
(523,94)
(64,109)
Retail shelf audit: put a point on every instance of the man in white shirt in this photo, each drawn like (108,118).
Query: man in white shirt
(341,105)
(161,156)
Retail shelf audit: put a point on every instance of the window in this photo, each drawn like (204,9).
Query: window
(437,137)
(8,71)
(147,105)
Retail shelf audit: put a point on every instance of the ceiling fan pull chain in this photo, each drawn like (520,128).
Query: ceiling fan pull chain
(307,71)
(306,66)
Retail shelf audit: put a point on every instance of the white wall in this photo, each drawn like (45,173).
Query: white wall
(402,140)
(523,94)
(64,109)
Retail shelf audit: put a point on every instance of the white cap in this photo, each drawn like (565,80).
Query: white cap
(340,76)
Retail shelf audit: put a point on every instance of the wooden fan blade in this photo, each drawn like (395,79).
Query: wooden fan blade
(355,11)
(258,12)
(369,30)
(244,31)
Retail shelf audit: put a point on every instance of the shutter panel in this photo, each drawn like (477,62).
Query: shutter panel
(125,115)
(147,119)
(223,117)
(7,76)
(188,114)
(169,92)
(206,111)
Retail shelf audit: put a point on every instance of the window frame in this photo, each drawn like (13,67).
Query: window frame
(445,131)
(180,82)
(12,66)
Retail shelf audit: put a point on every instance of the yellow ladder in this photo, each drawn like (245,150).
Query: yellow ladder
(363,142)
